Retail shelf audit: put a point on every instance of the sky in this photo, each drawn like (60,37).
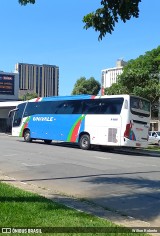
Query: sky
(51,32)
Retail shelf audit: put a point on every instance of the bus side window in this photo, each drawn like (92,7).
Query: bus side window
(93,110)
(91,107)
(104,108)
(61,108)
(31,109)
(77,107)
(69,107)
(118,108)
(113,109)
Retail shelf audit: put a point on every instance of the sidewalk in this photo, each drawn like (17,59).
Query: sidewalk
(141,152)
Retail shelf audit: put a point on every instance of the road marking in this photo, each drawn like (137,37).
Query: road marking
(103,158)
(9,155)
(25,164)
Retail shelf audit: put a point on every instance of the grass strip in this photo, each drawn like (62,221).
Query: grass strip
(23,209)
(153,148)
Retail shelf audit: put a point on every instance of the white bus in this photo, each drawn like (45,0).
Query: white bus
(110,120)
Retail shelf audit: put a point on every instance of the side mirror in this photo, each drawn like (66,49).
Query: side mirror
(9,114)
(11,111)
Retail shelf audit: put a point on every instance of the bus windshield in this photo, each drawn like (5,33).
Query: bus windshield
(18,114)
(140,106)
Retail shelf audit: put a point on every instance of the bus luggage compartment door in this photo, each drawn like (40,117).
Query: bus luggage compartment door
(110,131)
(140,129)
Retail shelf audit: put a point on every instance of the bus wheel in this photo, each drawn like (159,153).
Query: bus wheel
(84,142)
(159,143)
(27,136)
(47,141)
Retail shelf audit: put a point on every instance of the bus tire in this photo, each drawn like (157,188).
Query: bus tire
(84,142)
(159,143)
(47,141)
(27,135)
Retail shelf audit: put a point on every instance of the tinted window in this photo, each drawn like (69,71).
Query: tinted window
(91,106)
(111,106)
(140,106)
(88,106)
(31,109)
(40,108)
(56,107)
(103,106)
(69,107)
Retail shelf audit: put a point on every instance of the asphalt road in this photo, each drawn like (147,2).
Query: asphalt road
(127,183)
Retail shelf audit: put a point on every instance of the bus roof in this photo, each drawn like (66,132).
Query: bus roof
(10,104)
(74,97)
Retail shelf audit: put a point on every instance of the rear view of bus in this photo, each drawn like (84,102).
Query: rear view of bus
(137,122)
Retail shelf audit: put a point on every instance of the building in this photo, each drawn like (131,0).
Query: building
(110,75)
(9,90)
(9,86)
(40,79)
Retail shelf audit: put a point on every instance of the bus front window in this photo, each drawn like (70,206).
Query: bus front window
(140,106)
(18,115)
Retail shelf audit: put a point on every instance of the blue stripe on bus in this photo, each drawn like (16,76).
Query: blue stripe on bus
(57,98)
(53,126)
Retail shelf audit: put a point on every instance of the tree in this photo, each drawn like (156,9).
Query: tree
(116,88)
(103,19)
(25,2)
(84,86)
(141,77)
(28,96)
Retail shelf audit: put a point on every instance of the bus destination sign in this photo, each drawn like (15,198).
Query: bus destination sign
(6,84)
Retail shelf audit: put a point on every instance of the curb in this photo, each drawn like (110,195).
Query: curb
(142,152)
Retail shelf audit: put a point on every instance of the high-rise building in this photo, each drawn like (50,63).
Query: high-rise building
(40,79)
(110,75)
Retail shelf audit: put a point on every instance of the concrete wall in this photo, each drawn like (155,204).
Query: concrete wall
(4,112)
